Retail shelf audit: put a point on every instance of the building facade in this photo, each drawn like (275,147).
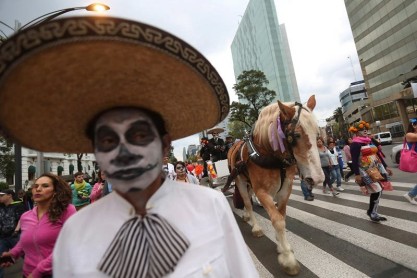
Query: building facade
(56,163)
(354,101)
(385,34)
(260,43)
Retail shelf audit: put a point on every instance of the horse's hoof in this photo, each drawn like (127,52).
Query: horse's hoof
(288,267)
(258,233)
(246,218)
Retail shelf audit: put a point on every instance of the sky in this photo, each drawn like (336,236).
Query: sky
(321,42)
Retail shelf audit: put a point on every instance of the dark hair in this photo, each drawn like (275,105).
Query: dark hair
(61,199)
(79,174)
(155,117)
(99,178)
(181,163)
(410,128)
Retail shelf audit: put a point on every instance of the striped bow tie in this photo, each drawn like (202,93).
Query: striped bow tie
(147,247)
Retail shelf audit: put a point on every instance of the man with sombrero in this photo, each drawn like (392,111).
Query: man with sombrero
(217,144)
(133,81)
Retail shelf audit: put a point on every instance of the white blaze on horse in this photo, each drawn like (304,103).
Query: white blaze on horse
(283,139)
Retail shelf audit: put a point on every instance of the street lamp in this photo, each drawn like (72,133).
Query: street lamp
(96,7)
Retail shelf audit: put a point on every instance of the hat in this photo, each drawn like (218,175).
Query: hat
(361,125)
(413,120)
(55,77)
(215,130)
(7,191)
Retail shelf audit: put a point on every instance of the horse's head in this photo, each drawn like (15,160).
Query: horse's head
(301,134)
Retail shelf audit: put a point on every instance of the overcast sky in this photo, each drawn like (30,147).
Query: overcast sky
(318,31)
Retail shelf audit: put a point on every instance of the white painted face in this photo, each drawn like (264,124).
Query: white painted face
(128,149)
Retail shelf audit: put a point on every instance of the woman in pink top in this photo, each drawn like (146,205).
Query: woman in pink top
(40,226)
(346,149)
(97,191)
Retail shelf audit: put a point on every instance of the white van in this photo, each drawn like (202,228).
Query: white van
(384,137)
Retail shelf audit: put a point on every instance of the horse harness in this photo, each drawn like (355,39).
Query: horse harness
(269,161)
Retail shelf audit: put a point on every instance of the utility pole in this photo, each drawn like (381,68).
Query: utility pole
(353,69)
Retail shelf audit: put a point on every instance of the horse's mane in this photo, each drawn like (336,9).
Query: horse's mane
(269,115)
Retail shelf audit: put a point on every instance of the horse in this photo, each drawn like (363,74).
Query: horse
(282,143)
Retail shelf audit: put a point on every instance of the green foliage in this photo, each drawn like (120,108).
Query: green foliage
(237,129)
(3,185)
(172,158)
(253,94)
(192,158)
(7,163)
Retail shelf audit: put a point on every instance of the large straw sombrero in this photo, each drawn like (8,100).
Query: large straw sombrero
(57,76)
(215,130)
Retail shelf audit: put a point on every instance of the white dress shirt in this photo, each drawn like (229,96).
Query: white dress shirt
(203,215)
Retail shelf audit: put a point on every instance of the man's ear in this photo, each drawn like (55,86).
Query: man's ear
(166,144)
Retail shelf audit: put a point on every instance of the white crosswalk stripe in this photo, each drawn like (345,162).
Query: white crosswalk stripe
(342,221)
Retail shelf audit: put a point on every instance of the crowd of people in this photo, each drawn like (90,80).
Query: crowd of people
(365,161)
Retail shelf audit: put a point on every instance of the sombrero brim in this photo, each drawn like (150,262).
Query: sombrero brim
(215,130)
(57,76)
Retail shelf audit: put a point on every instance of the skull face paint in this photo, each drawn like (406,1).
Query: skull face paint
(128,149)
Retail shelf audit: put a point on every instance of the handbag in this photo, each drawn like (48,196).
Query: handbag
(387,185)
(374,174)
(408,159)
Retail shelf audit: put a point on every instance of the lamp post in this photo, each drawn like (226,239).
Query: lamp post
(96,7)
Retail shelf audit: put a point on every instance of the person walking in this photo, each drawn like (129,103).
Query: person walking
(335,168)
(40,226)
(216,144)
(168,168)
(365,160)
(182,174)
(81,191)
(411,138)
(101,188)
(327,166)
(11,208)
(346,150)
(204,154)
(139,96)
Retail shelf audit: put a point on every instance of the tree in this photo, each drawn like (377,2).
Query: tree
(236,129)
(342,126)
(7,163)
(253,94)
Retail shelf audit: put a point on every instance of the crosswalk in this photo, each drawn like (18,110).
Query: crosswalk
(333,236)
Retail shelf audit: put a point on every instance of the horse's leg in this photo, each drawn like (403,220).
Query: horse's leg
(248,214)
(286,257)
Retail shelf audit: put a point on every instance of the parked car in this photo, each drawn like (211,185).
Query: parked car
(384,138)
(396,154)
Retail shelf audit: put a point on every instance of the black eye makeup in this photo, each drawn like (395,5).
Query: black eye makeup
(140,133)
(106,139)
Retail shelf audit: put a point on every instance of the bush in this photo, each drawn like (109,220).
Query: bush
(3,185)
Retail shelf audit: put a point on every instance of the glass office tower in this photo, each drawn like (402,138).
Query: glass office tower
(385,34)
(261,43)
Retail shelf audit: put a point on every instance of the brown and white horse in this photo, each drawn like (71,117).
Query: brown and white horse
(283,139)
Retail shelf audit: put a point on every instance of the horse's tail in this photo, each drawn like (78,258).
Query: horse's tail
(235,163)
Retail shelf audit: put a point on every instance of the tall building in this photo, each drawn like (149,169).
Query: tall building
(354,100)
(385,34)
(261,44)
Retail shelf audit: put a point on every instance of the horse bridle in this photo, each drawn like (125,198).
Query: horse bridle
(290,134)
